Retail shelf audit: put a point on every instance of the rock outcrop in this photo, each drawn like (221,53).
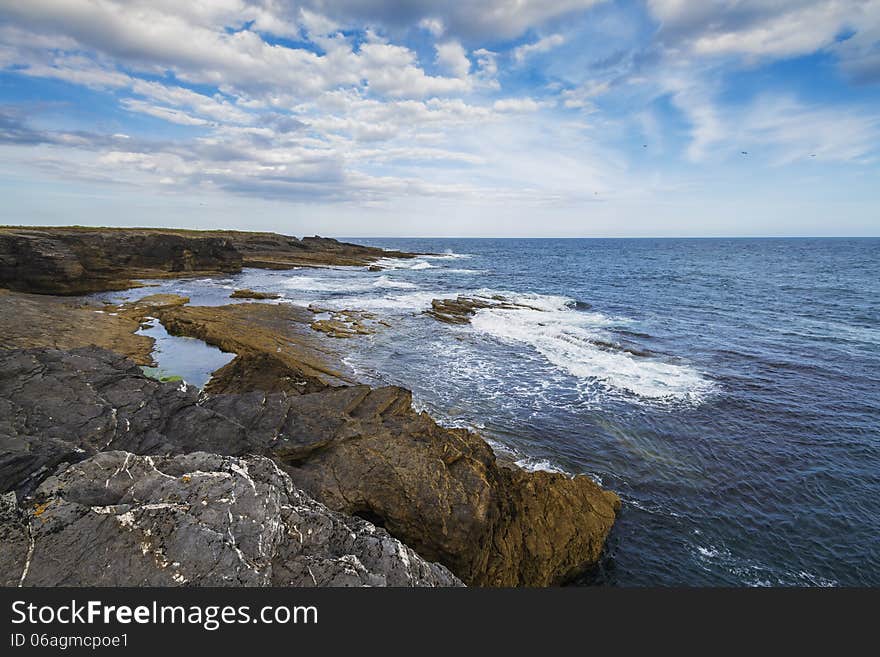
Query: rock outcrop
(360,451)
(247,293)
(441,491)
(77,260)
(280,332)
(71,261)
(461,309)
(118,519)
(39,320)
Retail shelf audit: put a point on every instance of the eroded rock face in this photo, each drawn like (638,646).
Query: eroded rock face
(72,260)
(80,261)
(65,406)
(441,491)
(360,451)
(118,519)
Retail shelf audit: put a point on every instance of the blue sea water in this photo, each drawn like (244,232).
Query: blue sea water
(726,389)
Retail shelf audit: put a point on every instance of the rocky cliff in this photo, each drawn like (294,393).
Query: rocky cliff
(360,451)
(75,260)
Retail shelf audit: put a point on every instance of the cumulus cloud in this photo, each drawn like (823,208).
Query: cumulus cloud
(451,56)
(358,101)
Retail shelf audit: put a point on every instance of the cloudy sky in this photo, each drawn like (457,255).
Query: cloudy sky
(479,118)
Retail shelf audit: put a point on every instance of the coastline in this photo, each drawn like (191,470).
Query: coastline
(358,450)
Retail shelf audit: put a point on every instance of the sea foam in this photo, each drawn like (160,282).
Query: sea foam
(568,339)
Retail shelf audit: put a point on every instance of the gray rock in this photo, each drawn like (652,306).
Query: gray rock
(117,519)
(363,452)
(64,406)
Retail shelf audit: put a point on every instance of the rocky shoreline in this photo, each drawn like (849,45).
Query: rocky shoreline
(143,478)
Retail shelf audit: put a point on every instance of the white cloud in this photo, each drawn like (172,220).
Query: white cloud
(433,25)
(545,44)
(517,105)
(779,29)
(582,97)
(165,113)
(451,57)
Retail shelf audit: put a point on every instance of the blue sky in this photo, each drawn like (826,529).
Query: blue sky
(444,118)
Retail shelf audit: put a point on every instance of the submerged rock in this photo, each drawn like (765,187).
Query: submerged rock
(360,451)
(117,519)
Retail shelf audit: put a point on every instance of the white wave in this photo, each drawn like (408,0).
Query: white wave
(447,255)
(566,338)
(538,465)
(385,281)
(409,302)
(344,285)
(464,271)
(397,263)
(320,284)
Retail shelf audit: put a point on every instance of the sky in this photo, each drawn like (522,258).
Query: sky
(572,118)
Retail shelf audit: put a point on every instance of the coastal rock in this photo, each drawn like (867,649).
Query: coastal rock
(117,519)
(345,323)
(78,260)
(461,309)
(64,406)
(38,320)
(261,371)
(279,331)
(366,452)
(247,293)
(360,451)
(15,541)
(70,261)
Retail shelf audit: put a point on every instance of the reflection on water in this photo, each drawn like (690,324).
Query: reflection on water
(181,358)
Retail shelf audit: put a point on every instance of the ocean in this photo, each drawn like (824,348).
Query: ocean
(727,389)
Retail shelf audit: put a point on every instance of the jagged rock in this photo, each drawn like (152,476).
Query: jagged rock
(64,406)
(78,260)
(261,371)
(441,491)
(360,451)
(14,541)
(247,293)
(118,519)
(461,309)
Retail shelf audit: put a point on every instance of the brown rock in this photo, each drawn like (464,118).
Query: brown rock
(461,309)
(77,260)
(254,329)
(251,294)
(264,372)
(366,452)
(37,320)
